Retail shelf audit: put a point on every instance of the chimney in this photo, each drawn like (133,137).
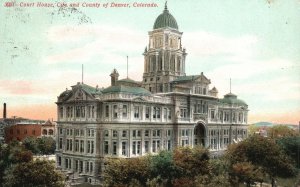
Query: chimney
(4,111)
(114,77)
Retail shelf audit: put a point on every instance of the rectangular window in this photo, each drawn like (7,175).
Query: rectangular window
(212,114)
(107,111)
(169,145)
(147,112)
(82,111)
(77,108)
(76,145)
(165,113)
(91,167)
(61,112)
(134,147)
(146,146)
(106,147)
(81,132)
(80,166)
(138,151)
(115,112)
(88,146)
(146,133)
(156,112)
(92,147)
(124,148)
(156,133)
(115,133)
(60,143)
(136,112)
(183,112)
(59,161)
(124,134)
(124,113)
(81,146)
(114,148)
(169,114)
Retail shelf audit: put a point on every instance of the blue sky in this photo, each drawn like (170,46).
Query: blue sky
(255,43)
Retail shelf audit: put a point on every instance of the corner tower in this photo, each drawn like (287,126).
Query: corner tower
(164,57)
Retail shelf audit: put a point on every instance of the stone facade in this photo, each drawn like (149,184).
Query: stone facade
(129,118)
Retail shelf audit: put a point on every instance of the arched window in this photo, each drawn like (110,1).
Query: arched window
(45,132)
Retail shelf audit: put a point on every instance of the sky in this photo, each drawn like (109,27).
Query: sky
(254,43)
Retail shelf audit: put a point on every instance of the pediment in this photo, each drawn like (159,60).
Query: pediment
(139,99)
(202,79)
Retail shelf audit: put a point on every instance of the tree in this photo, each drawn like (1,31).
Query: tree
(163,167)
(278,131)
(43,145)
(120,171)
(291,146)
(46,145)
(258,154)
(34,173)
(30,143)
(11,155)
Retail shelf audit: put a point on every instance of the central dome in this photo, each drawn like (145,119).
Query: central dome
(165,20)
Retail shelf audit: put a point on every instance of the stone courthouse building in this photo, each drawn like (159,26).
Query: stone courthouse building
(133,118)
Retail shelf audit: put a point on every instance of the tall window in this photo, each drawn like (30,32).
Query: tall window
(61,112)
(124,113)
(76,145)
(115,133)
(124,133)
(147,112)
(81,146)
(156,112)
(124,148)
(155,146)
(115,114)
(183,112)
(106,111)
(106,147)
(165,113)
(77,108)
(114,148)
(146,146)
(136,112)
(60,143)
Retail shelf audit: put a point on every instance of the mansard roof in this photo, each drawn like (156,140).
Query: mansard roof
(126,89)
(231,98)
(190,78)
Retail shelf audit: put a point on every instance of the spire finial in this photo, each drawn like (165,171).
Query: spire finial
(166,5)
(81,73)
(127,66)
(230,85)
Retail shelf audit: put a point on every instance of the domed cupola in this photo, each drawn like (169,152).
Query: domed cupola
(165,20)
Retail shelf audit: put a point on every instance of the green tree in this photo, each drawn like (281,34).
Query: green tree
(261,155)
(278,131)
(120,171)
(30,143)
(163,167)
(11,155)
(46,145)
(291,146)
(34,173)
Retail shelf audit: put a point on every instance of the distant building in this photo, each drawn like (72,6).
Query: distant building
(130,118)
(29,128)
(48,129)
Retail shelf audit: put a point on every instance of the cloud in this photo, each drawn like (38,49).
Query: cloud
(104,41)
(203,44)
